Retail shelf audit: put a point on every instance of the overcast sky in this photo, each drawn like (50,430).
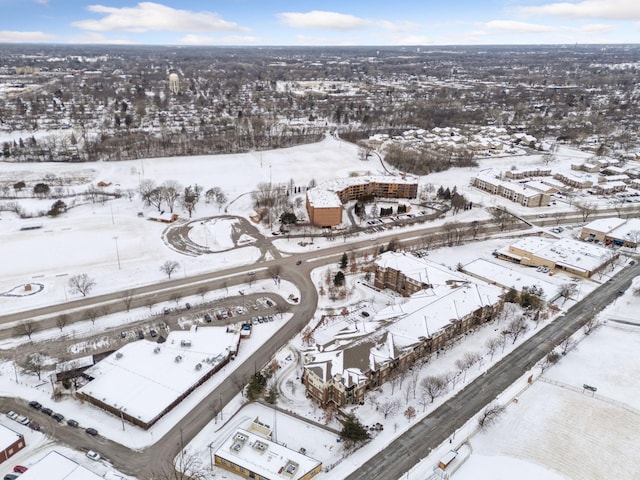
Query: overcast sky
(315,22)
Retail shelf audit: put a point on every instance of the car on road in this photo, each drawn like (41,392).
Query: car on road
(72,423)
(632,262)
(34,426)
(20,469)
(47,411)
(166,310)
(187,306)
(12,415)
(34,404)
(93,455)
(58,417)
(91,431)
(364,314)
(298,262)
(11,476)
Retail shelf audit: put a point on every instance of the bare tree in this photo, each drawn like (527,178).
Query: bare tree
(389,407)
(493,344)
(170,190)
(169,267)
(586,209)
(307,336)
(202,291)
(62,321)
(410,413)
(145,188)
(551,358)
(502,218)
(187,466)
(515,328)
(433,386)
(127,298)
(81,284)
(591,325)
(35,364)
(27,327)
(567,290)
(490,415)
(567,345)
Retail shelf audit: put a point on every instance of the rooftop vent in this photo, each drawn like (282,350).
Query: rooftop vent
(178,358)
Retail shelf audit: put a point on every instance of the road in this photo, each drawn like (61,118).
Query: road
(436,428)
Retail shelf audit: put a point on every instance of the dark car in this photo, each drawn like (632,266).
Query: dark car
(207,318)
(140,335)
(72,423)
(10,476)
(299,262)
(92,431)
(187,306)
(47,411)
(364,314)
(34,404)
(58,417)
(34,426)
(153,333)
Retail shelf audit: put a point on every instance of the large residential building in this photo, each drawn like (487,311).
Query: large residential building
(324,203)
(361,356)
(253,454)
(516,192)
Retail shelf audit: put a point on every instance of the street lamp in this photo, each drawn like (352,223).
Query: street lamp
(117,252)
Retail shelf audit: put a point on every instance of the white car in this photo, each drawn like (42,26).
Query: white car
(93,455)
(23,420)
(12,415)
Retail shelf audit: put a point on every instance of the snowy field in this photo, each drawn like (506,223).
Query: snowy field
(120,250)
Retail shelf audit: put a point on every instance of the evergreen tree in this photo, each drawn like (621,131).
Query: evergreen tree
(343,261)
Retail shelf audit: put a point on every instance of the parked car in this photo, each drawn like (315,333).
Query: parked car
(23,420)
(34,404)
(58,417)
(93,455)
(47,411)
(91,431)
(72,423)
(298,262)
(167,310)
(11,476)
(12,415)
(207,318)
(34,426)
(188,306)
(153,333)
(20,469)
(140,335)
(364,314)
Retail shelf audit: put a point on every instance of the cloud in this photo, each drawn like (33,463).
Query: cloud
(98,39)
(148,16)
(511,26)
(338,21)
(8,36)
(193,39)
(605,9)
(596,28)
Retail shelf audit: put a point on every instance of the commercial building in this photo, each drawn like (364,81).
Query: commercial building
(55,466)
(253,454)
(579,258)
(144,380)
(616,231)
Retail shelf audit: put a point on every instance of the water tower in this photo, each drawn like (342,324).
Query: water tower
(174,83)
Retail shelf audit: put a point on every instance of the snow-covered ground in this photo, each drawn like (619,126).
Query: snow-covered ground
(119,250)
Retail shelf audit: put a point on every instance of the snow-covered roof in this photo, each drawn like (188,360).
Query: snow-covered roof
(339,184)
(268,459)
(519,188)
(420,269)
(323,198)
(507,277)
(7,437)
(605,225)
(566,252)
(143,378)
(55,466)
